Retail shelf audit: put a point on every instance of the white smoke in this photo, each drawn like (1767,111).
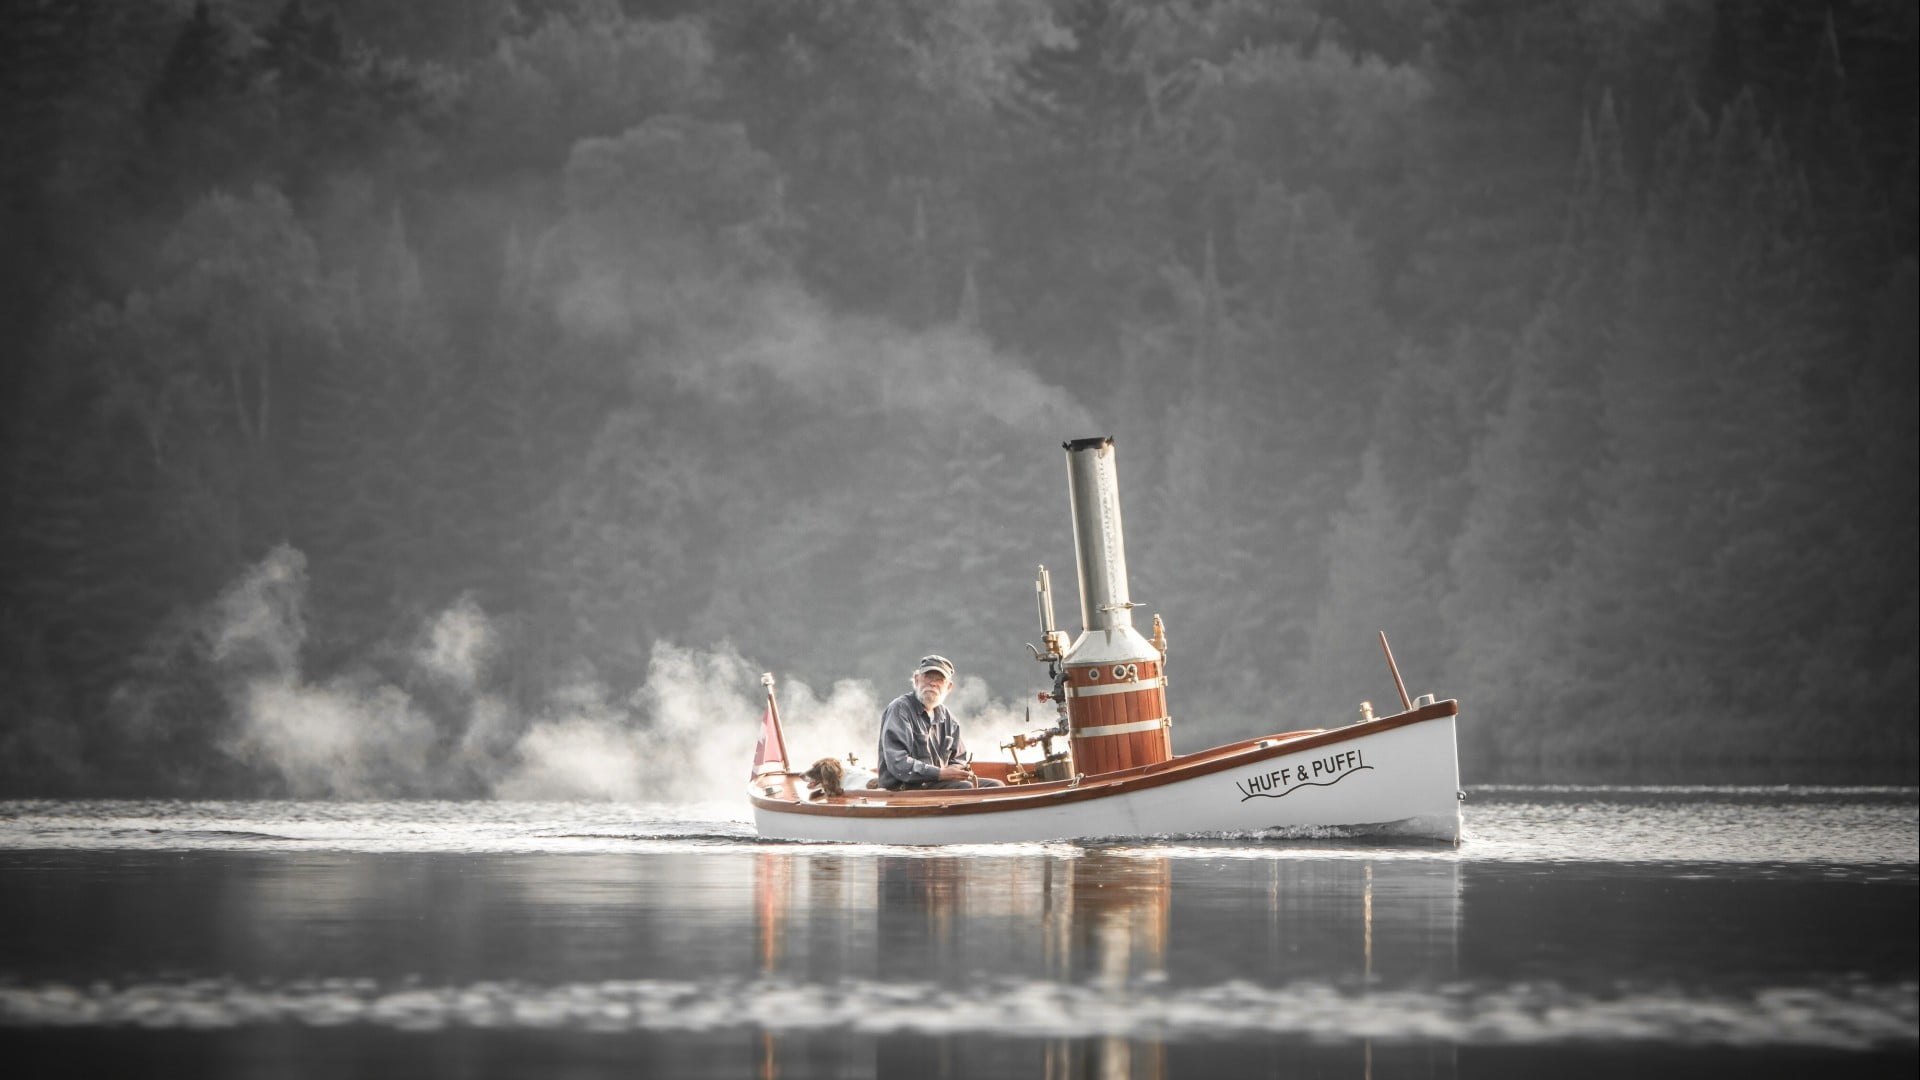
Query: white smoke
(346,739)
(863,365)
(354,736)
(684,736)
(458,645)
(260,619)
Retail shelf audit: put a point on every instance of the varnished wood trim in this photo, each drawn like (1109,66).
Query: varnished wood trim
(882,805)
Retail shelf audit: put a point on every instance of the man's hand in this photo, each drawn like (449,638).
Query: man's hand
(955,772)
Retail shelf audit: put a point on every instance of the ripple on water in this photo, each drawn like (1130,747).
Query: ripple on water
(1564,824)
(1837,1016)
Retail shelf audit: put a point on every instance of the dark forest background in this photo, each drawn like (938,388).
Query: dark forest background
(1571,344)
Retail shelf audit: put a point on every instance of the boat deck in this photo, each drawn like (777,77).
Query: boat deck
(788,791)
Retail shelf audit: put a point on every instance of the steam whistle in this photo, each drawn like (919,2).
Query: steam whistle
(1054,655)
(1052,637)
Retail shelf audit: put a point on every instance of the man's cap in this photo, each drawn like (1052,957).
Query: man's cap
(937,663)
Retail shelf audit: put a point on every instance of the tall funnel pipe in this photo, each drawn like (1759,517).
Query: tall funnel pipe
(1116,692)
(1099,547)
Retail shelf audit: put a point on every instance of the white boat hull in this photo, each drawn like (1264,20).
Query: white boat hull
(1397,776)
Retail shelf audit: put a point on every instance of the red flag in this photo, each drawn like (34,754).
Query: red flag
(769,749)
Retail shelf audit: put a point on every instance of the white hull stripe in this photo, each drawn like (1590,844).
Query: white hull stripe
(1154,683)
(1121,729)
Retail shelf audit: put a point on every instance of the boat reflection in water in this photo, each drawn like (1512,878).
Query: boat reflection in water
(1744,935)
(1137,962)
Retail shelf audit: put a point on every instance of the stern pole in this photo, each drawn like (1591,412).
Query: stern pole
(773,713)
(1406,703)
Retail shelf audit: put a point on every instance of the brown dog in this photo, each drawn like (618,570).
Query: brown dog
(826,775)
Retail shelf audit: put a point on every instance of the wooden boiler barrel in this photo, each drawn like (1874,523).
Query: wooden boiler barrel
(1117,715)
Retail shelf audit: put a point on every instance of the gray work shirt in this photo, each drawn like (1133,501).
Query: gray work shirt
(915,744)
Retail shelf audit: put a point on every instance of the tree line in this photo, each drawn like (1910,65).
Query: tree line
(1573,346)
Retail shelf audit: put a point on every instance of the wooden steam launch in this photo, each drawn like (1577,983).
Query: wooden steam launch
(1118,776)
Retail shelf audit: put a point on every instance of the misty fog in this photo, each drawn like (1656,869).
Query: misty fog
(471,399)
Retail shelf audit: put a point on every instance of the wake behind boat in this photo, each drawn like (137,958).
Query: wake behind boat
(1117,775)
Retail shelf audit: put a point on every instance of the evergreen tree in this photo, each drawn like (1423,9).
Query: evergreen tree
(1375,583)
(585,72)
(1688,571)
(1530,477)
(202,126)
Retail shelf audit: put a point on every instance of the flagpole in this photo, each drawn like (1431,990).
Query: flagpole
(779,735)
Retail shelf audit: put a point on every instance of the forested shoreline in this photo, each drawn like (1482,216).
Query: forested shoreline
(442,373)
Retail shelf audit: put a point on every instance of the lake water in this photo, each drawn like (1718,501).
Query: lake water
(1576,931)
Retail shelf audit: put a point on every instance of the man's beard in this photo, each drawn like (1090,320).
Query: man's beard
(932,696)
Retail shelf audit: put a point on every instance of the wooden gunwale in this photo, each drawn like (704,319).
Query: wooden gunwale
(943,801)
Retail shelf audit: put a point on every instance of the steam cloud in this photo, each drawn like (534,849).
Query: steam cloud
(433,718)
(865,364)
(685,736)
(857,365)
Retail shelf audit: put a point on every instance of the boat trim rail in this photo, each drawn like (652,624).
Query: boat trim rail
(913,802)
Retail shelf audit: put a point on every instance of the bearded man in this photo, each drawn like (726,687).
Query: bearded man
(920,743)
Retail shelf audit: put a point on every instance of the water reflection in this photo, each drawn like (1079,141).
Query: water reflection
(1091,962)
(1192,959)
(1096,922)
